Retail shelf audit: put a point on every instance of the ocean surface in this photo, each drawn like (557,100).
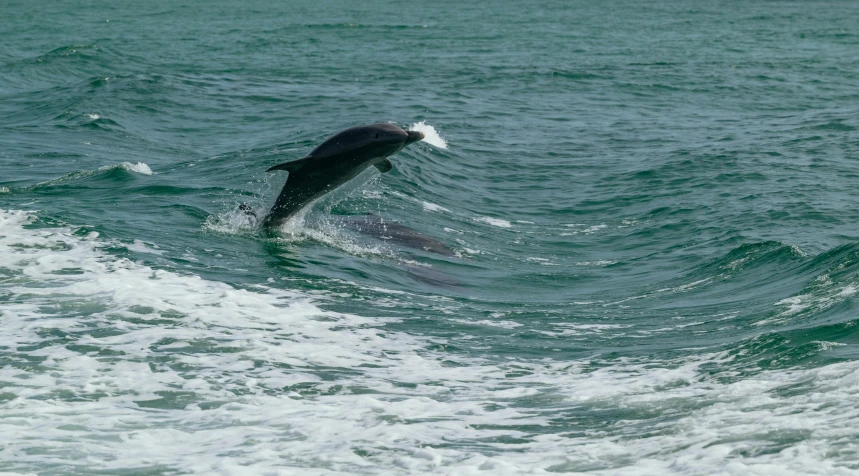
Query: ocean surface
(651,208)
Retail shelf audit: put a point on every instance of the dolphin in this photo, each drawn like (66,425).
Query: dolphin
(393,232)
(333,163)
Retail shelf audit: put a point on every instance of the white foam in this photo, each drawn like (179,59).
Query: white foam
(502,324)
(142,247)
(543,261)
(138,167)
(431,136)
(594,228)
(296,230)
(4,190)
(270,323)
(685,287)
(432,207)
(589,230)
(602,262)
(825,295)
(115,366)
(494,221)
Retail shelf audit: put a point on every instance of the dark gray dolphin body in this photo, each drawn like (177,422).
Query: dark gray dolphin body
(335,162)
(393,232)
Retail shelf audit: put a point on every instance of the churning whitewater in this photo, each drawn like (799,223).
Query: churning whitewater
(144,362)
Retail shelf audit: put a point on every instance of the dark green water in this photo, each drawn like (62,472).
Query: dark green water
(652,206)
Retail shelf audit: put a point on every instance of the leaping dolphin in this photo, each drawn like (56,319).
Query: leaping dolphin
(335,162)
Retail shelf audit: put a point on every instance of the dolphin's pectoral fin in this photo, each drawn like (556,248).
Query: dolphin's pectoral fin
(291,166)
(384,165)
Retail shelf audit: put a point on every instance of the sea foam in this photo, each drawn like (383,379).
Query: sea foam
(139,167)
(118,366)
(494,221)
(431,136)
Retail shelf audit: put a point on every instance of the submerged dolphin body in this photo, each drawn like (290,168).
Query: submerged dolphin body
(335,162)
(395,233)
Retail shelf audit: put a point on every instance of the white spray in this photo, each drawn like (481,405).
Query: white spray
(430,134)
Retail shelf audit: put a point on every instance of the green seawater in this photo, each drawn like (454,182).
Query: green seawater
(652,208)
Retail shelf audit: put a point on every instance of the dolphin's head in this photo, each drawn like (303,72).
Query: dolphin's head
(389,139)
(414,136)
(383,134)
(391,134)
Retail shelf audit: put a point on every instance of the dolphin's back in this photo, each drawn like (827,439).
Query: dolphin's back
(343,142)
(355,139)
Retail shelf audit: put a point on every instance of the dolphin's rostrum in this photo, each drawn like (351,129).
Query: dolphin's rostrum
(335,162)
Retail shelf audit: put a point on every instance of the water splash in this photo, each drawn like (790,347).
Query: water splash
(139,167)
(232,222)
(430,134)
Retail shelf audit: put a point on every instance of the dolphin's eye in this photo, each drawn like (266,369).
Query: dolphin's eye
(377,136)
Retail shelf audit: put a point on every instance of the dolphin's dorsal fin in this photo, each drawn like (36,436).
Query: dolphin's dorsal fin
(384,165)
(291,166)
